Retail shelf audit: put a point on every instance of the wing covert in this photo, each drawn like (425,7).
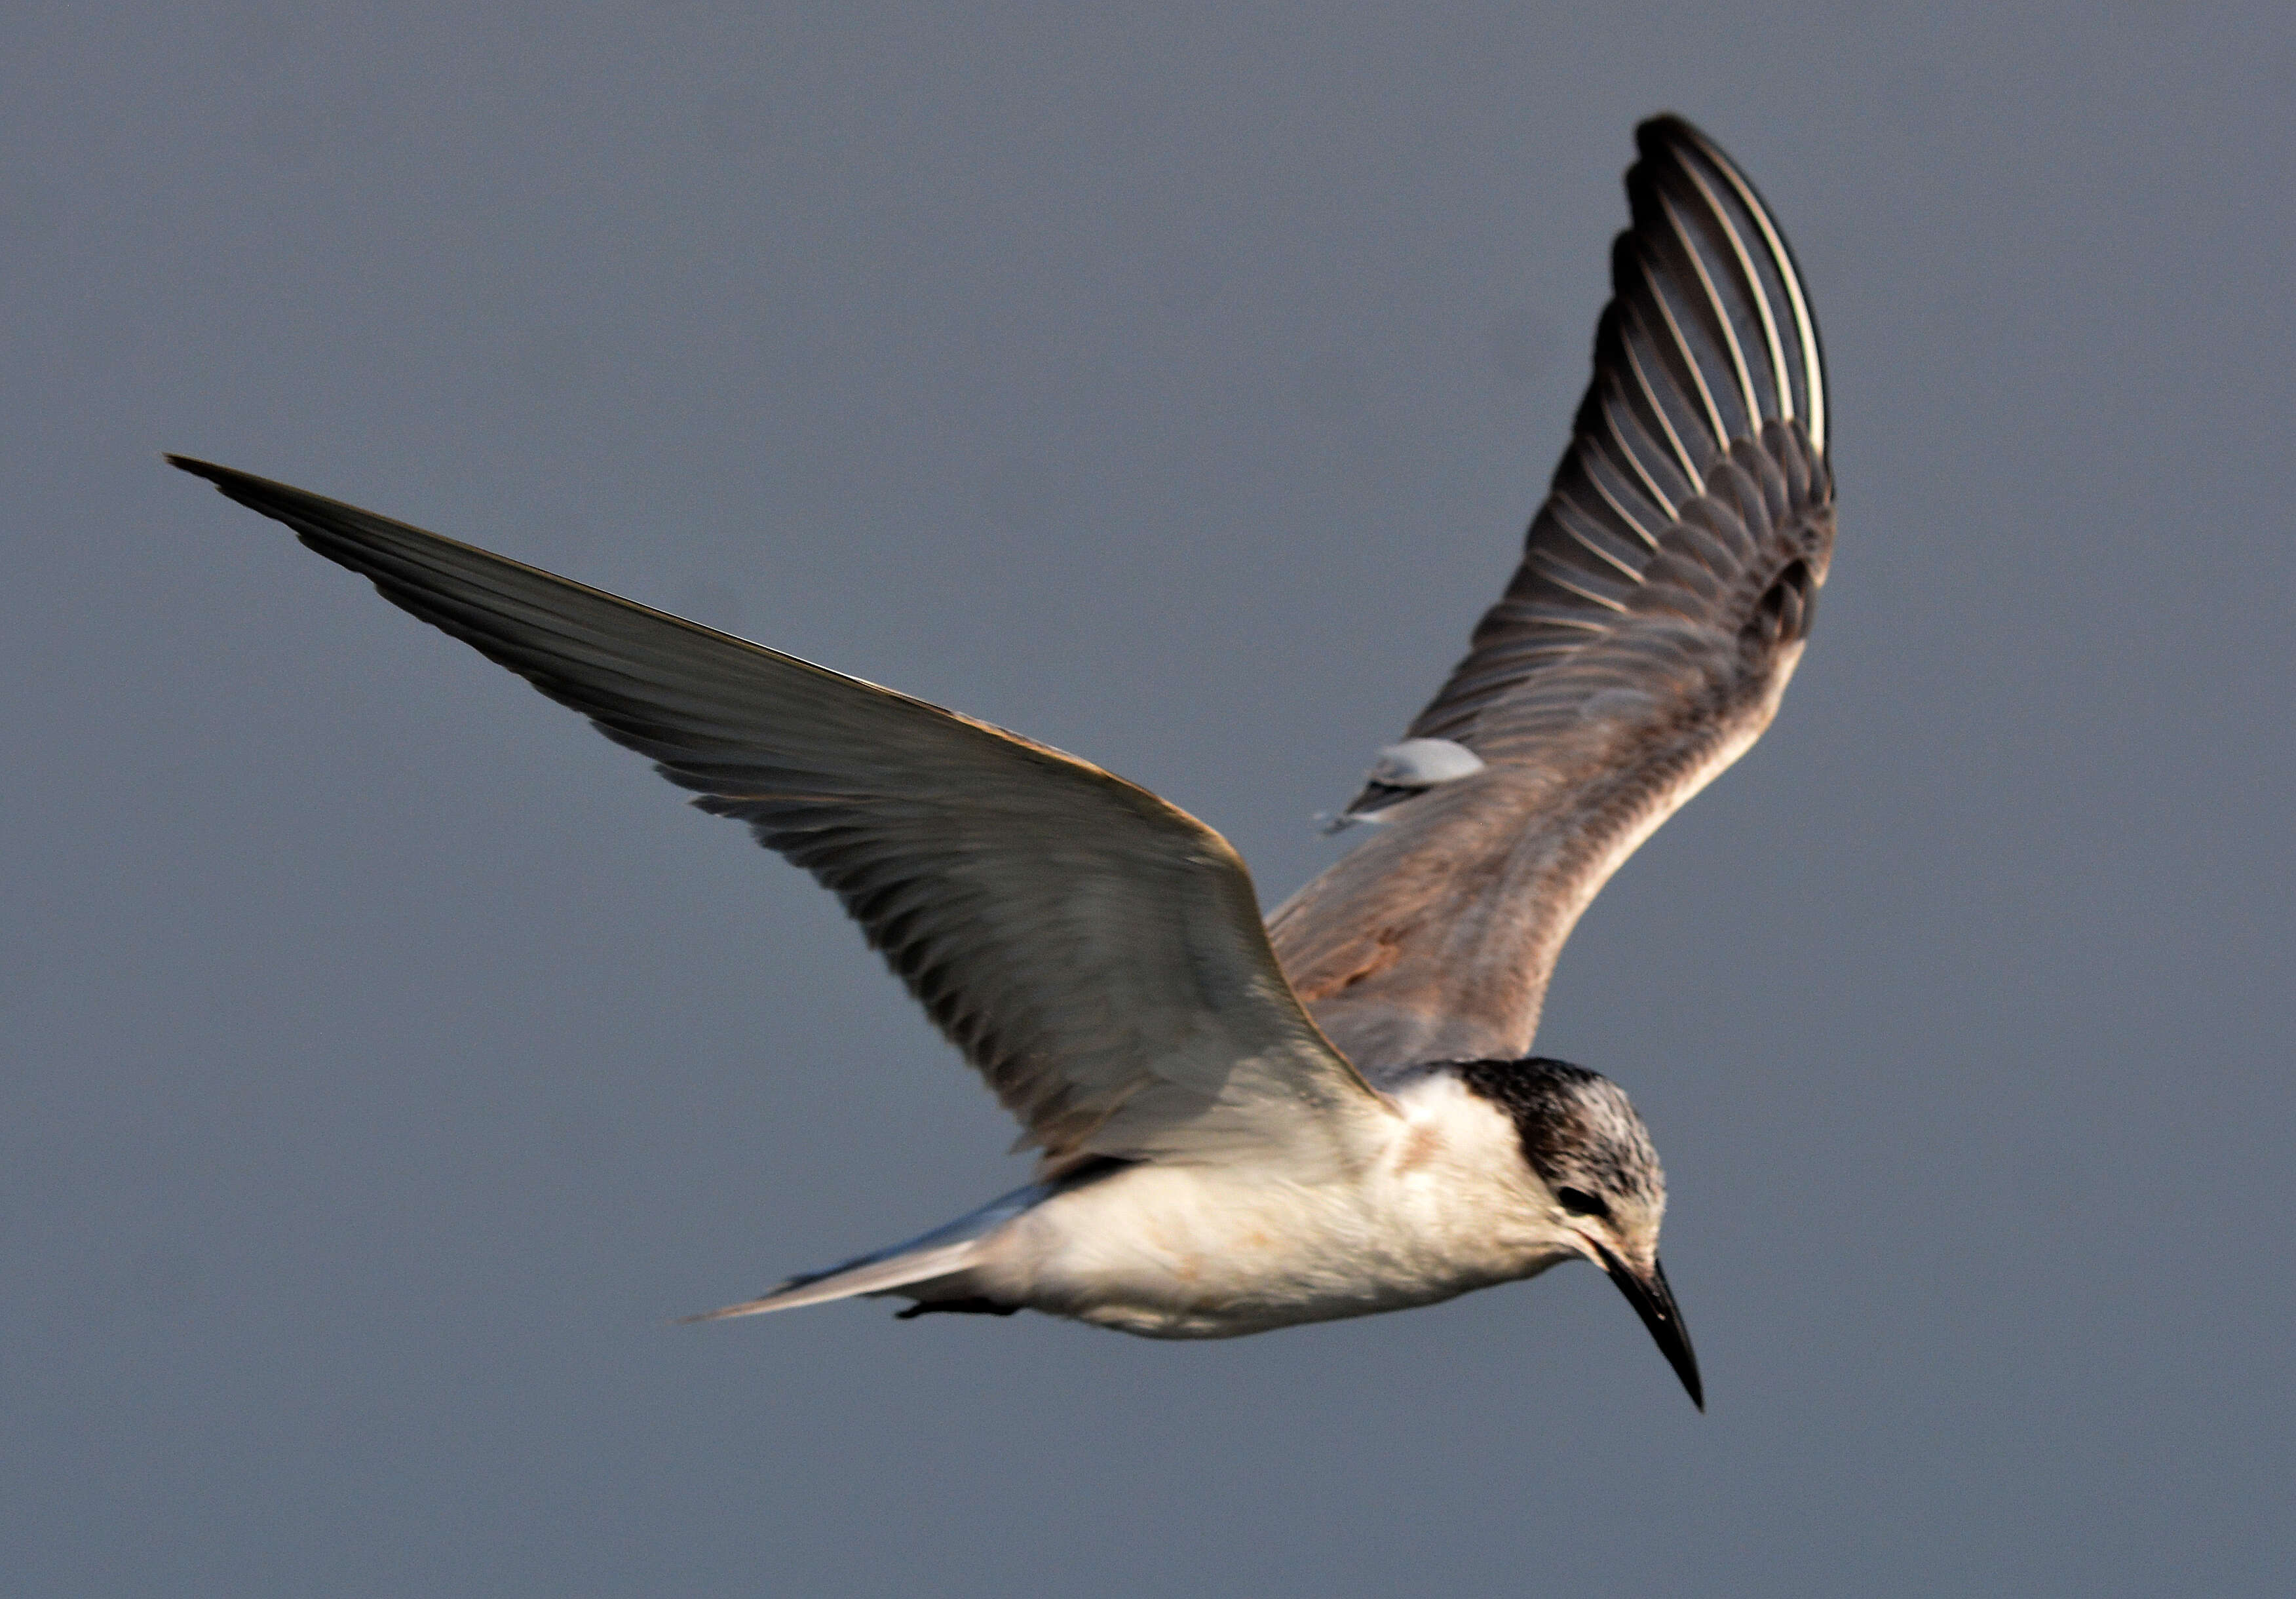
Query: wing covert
(1095,952)
(1664,590)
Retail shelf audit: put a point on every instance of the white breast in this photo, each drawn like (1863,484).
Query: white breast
(1212,1252)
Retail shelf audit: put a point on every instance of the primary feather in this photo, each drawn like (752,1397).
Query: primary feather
(1661,603)
(1095,952)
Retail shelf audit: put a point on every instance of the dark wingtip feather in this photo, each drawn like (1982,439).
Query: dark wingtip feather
(257,493)
(1707,353)
(198,468)
(1673,152)
(1664,131)
(222,477)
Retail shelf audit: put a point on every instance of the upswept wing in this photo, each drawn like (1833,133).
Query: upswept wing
(1662,602)
(1095,953)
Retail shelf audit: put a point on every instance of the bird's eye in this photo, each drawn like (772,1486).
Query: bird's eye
(1578,1202)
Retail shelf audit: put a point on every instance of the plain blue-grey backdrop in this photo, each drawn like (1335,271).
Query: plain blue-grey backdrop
(389,1058)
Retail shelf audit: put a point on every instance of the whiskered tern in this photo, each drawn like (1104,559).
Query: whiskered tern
(1244,1126)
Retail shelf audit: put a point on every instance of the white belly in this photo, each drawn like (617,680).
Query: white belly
(1214,1251)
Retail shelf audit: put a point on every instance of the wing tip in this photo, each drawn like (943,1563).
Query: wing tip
(197,467)
(257,493)
(1670,143)
(1671,138)
(1664,130)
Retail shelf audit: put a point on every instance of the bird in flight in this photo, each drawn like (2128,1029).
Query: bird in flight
(1244,1126)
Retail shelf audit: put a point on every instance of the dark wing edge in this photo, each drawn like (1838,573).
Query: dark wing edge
(1667,587)
(1094,951)
(1709,341)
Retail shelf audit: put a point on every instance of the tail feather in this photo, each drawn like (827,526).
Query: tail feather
(946,1252)
(880,1274)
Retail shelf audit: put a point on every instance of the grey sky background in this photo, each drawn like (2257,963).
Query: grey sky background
(389,1057)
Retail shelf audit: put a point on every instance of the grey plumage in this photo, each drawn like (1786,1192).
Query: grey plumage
(1666,589)
(1095,953)
(1212,1165)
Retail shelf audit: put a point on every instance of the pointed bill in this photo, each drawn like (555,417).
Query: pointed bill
(1653,1301)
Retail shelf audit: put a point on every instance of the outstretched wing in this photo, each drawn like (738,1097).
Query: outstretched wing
(1095,952)
(1662,601)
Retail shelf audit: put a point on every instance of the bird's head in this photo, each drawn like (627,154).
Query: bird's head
(1592,1154)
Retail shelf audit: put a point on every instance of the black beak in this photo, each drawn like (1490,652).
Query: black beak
(1653,1301)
